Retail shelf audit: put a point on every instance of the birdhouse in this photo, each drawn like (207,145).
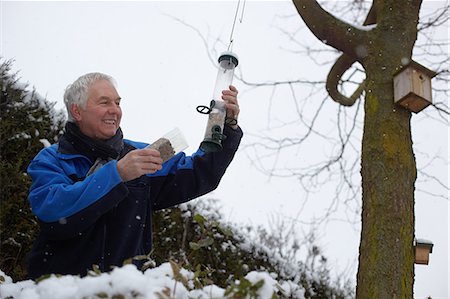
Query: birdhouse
(423,248)
(412,86)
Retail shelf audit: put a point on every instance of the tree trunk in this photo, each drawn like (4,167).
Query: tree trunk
(386,257)
(388,168)
(386,253)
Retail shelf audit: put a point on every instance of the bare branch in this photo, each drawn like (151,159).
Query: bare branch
(436,18)
(205,41)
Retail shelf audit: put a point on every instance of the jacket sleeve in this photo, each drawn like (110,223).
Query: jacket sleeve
(65,208)
(193,176)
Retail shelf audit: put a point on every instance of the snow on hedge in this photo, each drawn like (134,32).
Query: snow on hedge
(28,95)
(128,282)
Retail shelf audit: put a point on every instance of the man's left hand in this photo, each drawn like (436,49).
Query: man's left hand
(232,105)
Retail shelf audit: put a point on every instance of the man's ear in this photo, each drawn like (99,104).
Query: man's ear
(75,111)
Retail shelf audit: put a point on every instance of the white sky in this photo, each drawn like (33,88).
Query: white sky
(163,73)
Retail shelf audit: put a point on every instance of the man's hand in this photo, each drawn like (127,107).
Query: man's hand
(231,104)
(139,162)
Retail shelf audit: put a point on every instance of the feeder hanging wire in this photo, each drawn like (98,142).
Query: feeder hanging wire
(230,45)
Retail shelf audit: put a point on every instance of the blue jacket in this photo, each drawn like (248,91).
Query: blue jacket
(101,220)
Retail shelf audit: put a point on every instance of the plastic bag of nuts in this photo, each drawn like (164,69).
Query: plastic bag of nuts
(170,144)
(164,147)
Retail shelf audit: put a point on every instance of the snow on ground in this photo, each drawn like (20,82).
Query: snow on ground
(128,281)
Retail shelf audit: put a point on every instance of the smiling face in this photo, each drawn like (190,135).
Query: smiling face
(101,117)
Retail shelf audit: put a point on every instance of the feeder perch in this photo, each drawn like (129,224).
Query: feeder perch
(423,248)
(412,87)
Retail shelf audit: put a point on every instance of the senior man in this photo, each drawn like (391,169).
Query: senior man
(94,192)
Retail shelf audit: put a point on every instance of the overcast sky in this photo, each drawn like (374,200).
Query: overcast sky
(163,72)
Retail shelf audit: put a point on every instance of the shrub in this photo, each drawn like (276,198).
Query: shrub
(28,121)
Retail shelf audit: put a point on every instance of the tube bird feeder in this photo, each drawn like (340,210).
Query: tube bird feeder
(212,141)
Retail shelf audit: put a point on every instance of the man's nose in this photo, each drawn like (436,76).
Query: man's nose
(114,109)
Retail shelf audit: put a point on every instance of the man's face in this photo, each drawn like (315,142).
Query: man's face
(101,117)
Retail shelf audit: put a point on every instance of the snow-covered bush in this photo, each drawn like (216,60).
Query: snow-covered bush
(28,122)
(196,237)
(164,281)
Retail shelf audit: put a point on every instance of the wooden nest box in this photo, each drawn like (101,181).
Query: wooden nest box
(422,249)
(412,86)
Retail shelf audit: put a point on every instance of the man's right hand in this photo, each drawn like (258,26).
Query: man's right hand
(139,162)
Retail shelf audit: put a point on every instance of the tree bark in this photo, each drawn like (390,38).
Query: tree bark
(330,30)
(388,167)
(343,63)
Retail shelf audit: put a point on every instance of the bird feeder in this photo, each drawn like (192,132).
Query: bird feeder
(423,248)
(412,86)
(212,141)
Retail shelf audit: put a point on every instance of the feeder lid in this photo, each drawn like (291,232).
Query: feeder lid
(229,55)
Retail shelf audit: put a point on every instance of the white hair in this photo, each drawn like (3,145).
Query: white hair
(77,92)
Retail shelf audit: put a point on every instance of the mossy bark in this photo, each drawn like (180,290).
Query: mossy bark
(388,167)
(386,260)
